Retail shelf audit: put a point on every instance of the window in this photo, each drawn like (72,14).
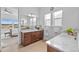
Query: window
(57,18)
(47,19)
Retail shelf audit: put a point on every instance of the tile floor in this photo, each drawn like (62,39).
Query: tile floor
(39,46)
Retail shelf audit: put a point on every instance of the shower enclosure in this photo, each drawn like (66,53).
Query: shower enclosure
(9,26)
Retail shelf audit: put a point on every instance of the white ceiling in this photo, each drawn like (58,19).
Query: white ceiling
(9,10)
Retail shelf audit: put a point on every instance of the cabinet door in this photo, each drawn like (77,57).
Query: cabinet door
(35,36)
(27,38)
(41,35)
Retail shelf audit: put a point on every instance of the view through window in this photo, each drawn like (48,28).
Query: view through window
(57,18)
(56,21)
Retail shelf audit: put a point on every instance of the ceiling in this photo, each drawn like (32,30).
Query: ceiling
(9,10)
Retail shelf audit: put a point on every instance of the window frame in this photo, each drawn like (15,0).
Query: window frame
(53,24)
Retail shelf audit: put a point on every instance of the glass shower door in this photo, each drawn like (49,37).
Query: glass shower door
(9,27)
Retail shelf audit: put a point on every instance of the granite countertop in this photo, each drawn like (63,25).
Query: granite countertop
(64,42)
(30,30)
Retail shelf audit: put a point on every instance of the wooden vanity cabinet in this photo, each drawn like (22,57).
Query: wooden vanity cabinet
(30,37)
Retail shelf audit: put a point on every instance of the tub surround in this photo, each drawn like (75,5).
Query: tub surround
(63,42)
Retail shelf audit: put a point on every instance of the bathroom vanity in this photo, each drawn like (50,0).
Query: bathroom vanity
(63,43)
(31,36)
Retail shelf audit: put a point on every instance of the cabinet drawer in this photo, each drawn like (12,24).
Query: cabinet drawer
(27,34)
